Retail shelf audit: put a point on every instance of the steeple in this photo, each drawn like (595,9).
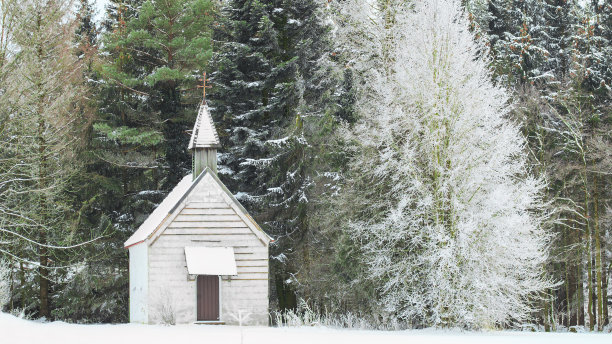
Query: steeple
(204,142)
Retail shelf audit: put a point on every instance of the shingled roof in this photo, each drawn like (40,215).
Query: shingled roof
(204,134)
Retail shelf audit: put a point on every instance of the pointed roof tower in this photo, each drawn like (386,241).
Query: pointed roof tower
(204,139)
(204,134)
(204,143)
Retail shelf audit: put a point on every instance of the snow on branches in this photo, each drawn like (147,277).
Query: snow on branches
(450,217)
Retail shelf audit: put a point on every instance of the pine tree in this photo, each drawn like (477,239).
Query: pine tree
(148,100)
(161,51)
(153,54)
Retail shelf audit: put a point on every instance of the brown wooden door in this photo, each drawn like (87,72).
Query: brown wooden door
(208,298)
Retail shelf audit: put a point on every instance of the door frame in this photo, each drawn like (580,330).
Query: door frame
(196,302)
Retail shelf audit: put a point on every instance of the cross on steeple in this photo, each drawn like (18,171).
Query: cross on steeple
(204,139)
(204,87)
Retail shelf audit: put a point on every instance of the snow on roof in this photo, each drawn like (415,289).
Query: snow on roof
(211,261)
(204,134)
(175,197)
(160,213)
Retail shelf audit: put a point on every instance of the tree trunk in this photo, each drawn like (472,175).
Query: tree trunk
(570,284)
(546,315)
(22,285)
(580,284)
(598,262)
(589,255)
(43,283)
(43,175)
(606,316)
(12,286)
(43,271)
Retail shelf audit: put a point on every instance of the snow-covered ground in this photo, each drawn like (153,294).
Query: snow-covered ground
(18,331)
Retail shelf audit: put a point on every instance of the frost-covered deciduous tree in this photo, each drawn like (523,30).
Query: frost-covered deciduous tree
(444,209)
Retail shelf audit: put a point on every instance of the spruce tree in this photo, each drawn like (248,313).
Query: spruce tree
(594,45)
(271,96)
(527,38)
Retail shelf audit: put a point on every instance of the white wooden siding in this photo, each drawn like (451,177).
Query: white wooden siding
(211,222)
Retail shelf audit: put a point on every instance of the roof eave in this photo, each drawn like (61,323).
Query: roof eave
(134,244)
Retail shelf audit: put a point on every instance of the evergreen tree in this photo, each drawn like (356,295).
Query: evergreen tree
(86,31)
(530,39)
(586,106)
(156,52)
(272,93)
(593,45)
(97,290)
(161,51)
(254,91)
(153,55)
(567,130)
(512,29)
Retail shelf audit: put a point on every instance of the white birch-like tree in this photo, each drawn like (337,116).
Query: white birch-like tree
(444,208)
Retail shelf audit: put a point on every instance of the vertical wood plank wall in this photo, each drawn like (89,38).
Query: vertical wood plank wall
(205,158)
(208,221)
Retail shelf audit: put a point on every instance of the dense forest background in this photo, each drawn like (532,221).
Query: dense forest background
(95,119)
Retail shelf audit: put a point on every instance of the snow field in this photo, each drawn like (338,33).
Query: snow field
(18,331)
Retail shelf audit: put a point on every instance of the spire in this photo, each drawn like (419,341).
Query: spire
(204,134)
(204,142)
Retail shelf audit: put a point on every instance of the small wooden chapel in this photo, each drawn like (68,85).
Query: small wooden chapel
(199,257)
